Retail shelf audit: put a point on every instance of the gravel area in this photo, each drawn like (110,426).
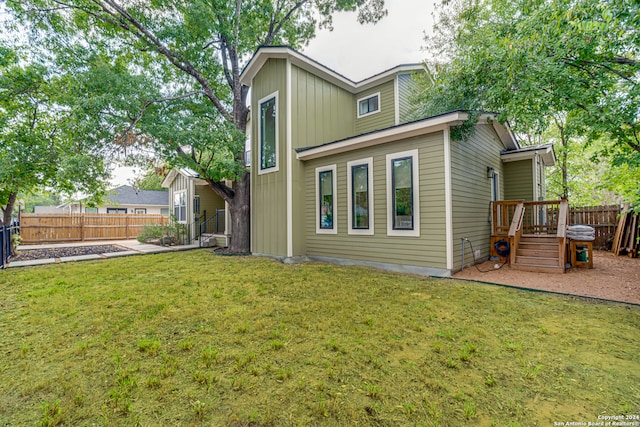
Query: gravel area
(32,254)
(613,277)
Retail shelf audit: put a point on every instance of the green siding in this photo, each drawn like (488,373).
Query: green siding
(406,86)
(428,250)
(209,202)
(269,215)
(320,111)
(471,192)
(385,118)
(518,180)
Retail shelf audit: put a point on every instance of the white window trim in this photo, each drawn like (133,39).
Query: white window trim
(259,124)
(173,206)
(371,95)
(333,230)
(369,162)
(416,191)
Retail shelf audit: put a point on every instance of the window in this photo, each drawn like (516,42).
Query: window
(116,210)
(164,211)
(369,105)
(326,221)
(91,210)
(360,188)
(403,217)
(141,210)
(180,206)
(196,204)
(268,133)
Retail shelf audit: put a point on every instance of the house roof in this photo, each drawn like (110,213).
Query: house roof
(189,173)
(127,195)
(264,53)
(408,130)
(545,151)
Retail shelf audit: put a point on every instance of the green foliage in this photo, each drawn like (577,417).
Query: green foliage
(173,233)
(37,150)
(150,180)
(564,65)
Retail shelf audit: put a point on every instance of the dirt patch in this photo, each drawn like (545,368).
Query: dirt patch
(612,277)
(32,254)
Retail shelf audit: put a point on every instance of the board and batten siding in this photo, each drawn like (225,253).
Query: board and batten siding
(471,192)
(428,250)
(385,118)
(209,201)
(320,113)
(269,190)
(518,179)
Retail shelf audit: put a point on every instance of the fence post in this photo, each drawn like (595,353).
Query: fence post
(82,228)
(126,227)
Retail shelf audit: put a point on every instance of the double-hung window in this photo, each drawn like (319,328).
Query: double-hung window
(403,213)
(268,134)
(360,196)
(180,206)
(326,222)
(369,105)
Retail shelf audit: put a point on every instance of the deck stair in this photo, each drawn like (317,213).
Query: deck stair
(536,231)
(538,253)
(207,240)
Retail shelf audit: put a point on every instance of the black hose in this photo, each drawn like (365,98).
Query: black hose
(506,257)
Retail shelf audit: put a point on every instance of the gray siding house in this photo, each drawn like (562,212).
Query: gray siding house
(341,173)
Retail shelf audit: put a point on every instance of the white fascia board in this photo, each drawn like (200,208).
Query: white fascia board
(166,182)
(301,61)
(381,137)
(504,132)
(546,153)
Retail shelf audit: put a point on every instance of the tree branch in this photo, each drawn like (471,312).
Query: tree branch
(124,135)
(174,58)
(275,30)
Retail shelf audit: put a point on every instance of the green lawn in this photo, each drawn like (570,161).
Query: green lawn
(192,338)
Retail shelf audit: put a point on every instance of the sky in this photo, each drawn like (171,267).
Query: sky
(360,51)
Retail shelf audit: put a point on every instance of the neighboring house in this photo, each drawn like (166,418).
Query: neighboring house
(195,204)
(127,200)
(341,174)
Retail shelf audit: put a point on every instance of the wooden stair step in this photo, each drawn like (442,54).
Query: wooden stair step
(538,239)
(538,268)
(544,261)
(538,252)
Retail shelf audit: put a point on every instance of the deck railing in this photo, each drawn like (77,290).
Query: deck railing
(544,218)
(541,218)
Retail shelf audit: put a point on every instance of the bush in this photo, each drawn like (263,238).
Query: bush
(173,233)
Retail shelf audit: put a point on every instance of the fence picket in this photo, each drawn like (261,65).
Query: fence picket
(51,228)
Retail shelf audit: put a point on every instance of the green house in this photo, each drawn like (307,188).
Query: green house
(340,173)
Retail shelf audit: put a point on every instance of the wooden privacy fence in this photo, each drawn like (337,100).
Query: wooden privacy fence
(52,228)
(603,219)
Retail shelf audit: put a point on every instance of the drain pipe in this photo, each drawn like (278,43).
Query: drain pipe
(463,240)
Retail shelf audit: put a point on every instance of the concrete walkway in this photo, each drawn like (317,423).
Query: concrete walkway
(132,247)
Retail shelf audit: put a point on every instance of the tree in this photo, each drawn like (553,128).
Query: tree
(166,74)
(573,65)
(151,179)
(35,151)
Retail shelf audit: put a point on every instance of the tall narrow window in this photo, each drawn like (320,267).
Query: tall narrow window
(403,216)
(326,200)
(268,133)
(360,187)
(402,182)
(180,206)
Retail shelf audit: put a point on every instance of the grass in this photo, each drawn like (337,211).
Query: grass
(194,339)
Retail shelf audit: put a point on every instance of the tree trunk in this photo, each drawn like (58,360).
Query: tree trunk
(7,211)
(239,208)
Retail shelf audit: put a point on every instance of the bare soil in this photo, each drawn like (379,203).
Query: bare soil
(615,278)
